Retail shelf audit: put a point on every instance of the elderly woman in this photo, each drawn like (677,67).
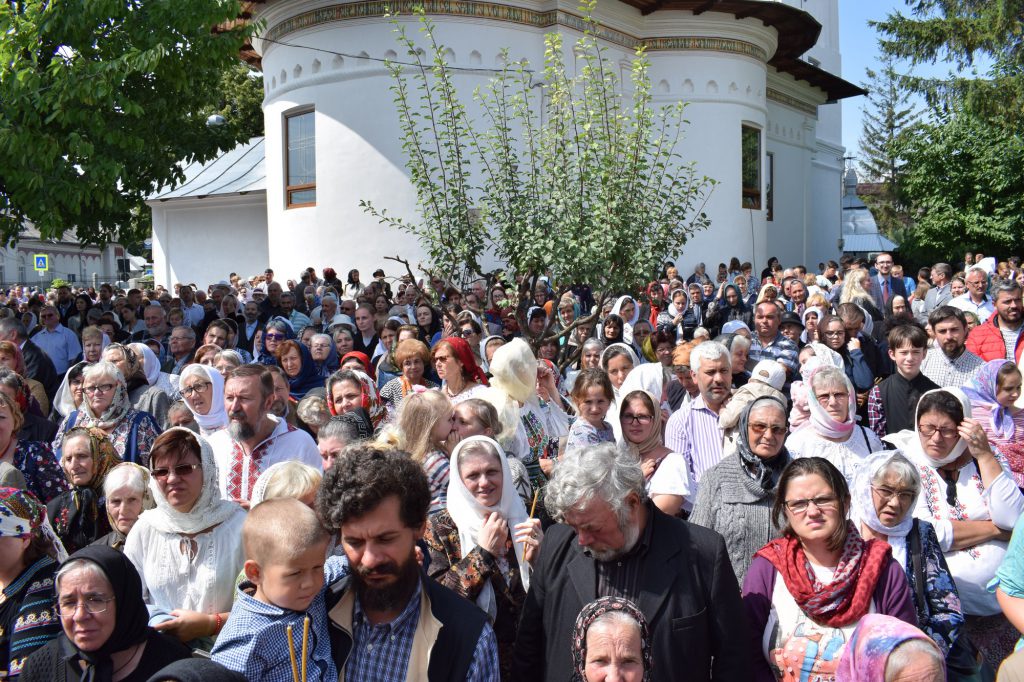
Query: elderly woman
(226,360)
(28,619)
(341,431)
(832,333)
(736,495)
(202,389)
(739,351)
(107,408)
(412,357)
(483,544)
(611,641)
(884,494)
(807,590)
(993,392)
(41,470)
(832,432)
(970,497)
(461,378)
(105,636)
(886,648)
(78,515)
(188,549)
(93,344)
(12,359)
(666,475)
(141,395)
(348,390)
(422,430)
(126,489)
(205,355)
(277,331)
(297,363)
(325,355)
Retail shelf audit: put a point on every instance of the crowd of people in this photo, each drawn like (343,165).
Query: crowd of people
(788,475)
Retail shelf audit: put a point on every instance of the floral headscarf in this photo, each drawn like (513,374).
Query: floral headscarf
(371,401)
(136,367)
(22,516)
(119,404)
(592,612)
(982,393)
(80,521)
(765,471)
(868,650)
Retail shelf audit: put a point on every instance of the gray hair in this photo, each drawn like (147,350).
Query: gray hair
(739,341)
(86,565)
(592,343)
(902,467)
(829,376)
(710,351)
(613,618)
(124,477)
(103,368)
(229,355)
(312,410)
(976,268)
(909,651)
(601,471)
(1006,286)
(321,335)
(189,331)
(13,324)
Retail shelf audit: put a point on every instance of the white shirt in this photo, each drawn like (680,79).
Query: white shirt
(282,446)
(193,315)
(672,477)
(983,310)
(846,456)
(170,581)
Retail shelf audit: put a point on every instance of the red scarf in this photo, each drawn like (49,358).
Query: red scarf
(848,597)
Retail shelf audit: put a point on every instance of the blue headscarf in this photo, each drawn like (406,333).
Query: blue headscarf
(330,364)
(308,377)
(278,324)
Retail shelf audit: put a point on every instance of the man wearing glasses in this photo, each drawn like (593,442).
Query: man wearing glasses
(976,300)
(885,286)
(56,340)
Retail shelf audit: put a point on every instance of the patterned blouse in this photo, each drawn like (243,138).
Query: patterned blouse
(43,475)
(940,615)
(435,466)
(120,435)
(28,616)
(583,434)
(466,576)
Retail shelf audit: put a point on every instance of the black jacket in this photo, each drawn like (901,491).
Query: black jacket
(40,367)
(452,654)
(690,598)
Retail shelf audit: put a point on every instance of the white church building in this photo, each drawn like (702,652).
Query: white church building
(756,70)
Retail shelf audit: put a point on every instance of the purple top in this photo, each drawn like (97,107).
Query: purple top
(892,597)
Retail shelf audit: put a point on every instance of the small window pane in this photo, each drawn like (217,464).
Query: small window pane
(751,168)
(302,196)
(301,159)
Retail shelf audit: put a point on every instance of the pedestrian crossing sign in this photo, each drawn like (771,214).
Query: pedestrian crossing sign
(42,262)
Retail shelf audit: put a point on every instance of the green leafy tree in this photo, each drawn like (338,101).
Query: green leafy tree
(239,101)
(101,101)
(959,32)
(563,173)
(888,116)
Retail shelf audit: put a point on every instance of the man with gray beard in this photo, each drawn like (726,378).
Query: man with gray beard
(255,439)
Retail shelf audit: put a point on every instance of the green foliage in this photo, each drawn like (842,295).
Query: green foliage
(239,101)
(958,32)
(563,173)
(101,100)
(965,182)
(58,283)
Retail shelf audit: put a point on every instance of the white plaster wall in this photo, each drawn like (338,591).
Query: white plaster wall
(357,131)
(204,240)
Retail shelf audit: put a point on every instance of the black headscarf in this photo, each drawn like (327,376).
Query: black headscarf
(617,319)
(765,471)
(360,423)
(131,617)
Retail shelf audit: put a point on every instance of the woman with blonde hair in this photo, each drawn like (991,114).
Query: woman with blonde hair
(855,290)
(412,357)
(424,425)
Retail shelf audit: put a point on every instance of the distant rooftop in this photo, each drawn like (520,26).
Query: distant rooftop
(236,171)
(860,232)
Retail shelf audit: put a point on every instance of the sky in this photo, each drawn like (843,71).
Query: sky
(858,44)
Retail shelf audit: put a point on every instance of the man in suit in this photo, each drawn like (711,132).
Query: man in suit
(37,364)
(884,286)
(614,542)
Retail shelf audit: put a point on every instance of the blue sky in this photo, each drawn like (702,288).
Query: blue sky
(859,46)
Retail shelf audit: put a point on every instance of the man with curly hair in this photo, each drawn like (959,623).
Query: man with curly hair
(390,621)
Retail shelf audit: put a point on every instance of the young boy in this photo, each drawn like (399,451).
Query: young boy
(892,403)
(287,579)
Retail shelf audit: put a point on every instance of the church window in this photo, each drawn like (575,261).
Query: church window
(750,173)
(300,160)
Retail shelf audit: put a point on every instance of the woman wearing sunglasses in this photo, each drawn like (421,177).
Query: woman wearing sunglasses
(188,550)
(970,497)
(807,590)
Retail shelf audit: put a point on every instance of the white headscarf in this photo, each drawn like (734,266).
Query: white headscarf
(513,383)
(864,504)
(649,377)
(468,515)
(150,362)
(63,400)
(208,511)
(217,417)
(909,441)
(617,308)
(803,318)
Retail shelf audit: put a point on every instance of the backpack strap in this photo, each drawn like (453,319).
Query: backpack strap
(917,562)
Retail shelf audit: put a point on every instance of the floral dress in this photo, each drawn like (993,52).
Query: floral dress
(939,613)
(583,434)
(132,437)
(43,476)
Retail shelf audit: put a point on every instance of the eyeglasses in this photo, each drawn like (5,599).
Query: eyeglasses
(929,430)
(93,605)
(273,336)
(835,334)
(775,429)
(823,503)
(101,388)
(442,358)
(902,496)
(827,397)
(637,419)
(180,471)
(198,387)
(466,333)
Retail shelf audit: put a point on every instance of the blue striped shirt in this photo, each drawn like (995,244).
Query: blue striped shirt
(693,432)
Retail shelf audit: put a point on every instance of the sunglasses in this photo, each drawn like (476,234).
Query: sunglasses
(273,336)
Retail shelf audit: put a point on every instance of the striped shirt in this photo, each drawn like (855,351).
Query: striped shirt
(780,349)
(694,433)
(436,467)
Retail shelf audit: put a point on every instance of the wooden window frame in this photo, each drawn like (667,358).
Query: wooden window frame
(749,198)
(289,190)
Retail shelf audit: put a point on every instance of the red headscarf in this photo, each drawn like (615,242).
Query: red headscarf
(656,307)
(361,357)
(848,597)
(465,357)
